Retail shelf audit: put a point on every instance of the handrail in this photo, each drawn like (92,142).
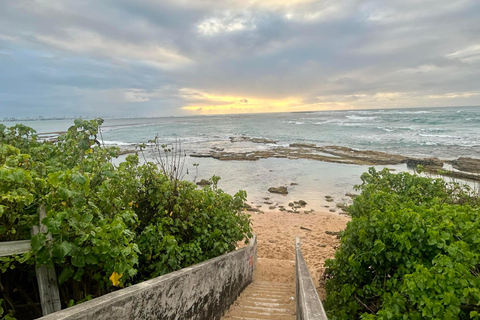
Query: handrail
(203,291)
(309,306)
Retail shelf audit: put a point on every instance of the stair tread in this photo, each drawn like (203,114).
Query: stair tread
(264,300)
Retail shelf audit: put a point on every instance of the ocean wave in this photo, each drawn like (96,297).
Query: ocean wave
(127,126)
(361,118)
(432,130)
(386,129)
(438,136)
(118,143)
(295,121)
(405,112)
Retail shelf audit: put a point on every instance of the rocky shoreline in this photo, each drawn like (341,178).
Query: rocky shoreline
(461,168)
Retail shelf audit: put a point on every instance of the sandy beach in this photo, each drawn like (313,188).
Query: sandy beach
(276,232)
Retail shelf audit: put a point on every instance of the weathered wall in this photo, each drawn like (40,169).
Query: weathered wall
(202,291)
(309,306)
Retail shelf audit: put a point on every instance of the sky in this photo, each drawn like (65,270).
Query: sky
(178,57)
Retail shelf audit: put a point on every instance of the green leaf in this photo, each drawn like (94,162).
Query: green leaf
(78,275)
(59,251)
(87,217)
(91,259)
(54,179)
(378,246)
(66,274)
(38,241)
(79,179)
(84,144)
(78,260)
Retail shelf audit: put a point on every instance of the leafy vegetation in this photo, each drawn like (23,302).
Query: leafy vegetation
(111,225)
(411,251)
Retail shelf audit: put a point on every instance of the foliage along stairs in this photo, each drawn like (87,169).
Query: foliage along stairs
(264,300)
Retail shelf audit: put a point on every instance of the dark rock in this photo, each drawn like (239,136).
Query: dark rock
(342,206)
(126,151)
(302,203)
(248,207)
(458,175)
(332,210)
(290,204)
(268,202)
(466,164)
(426,162)
(280,190)
(332,233)
(334,154)
(294,184)
(272,207)
(203,183)
(254,140)
(302,145)
(351,195)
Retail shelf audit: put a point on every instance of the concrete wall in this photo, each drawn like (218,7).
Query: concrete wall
(309,306)
(202,291)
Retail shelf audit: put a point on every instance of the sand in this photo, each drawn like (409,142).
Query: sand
(276,232)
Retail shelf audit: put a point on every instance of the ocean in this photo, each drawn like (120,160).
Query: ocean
(446,133)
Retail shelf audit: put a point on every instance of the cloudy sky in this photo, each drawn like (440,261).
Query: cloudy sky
(180,57)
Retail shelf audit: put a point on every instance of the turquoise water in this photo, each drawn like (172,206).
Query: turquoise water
(446,133)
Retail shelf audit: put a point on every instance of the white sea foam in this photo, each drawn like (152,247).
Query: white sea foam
(294,122)
(438,136)
(118,143)
(361,118)
(386,129)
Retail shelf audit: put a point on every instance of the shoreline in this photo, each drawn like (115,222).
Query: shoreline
(464,168)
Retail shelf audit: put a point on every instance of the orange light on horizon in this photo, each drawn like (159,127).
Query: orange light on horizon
(206,103)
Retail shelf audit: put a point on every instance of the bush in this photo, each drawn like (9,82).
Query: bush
(111,226)
(411,251)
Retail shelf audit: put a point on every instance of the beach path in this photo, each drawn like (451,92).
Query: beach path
(271,295)
(276,232)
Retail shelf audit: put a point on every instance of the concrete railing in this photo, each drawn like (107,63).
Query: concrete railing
(309,306)
(202,291)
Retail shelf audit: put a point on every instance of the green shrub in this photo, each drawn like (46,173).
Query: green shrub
(411,251)
(110,225)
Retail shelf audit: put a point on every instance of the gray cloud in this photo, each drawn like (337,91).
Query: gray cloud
(139,58)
